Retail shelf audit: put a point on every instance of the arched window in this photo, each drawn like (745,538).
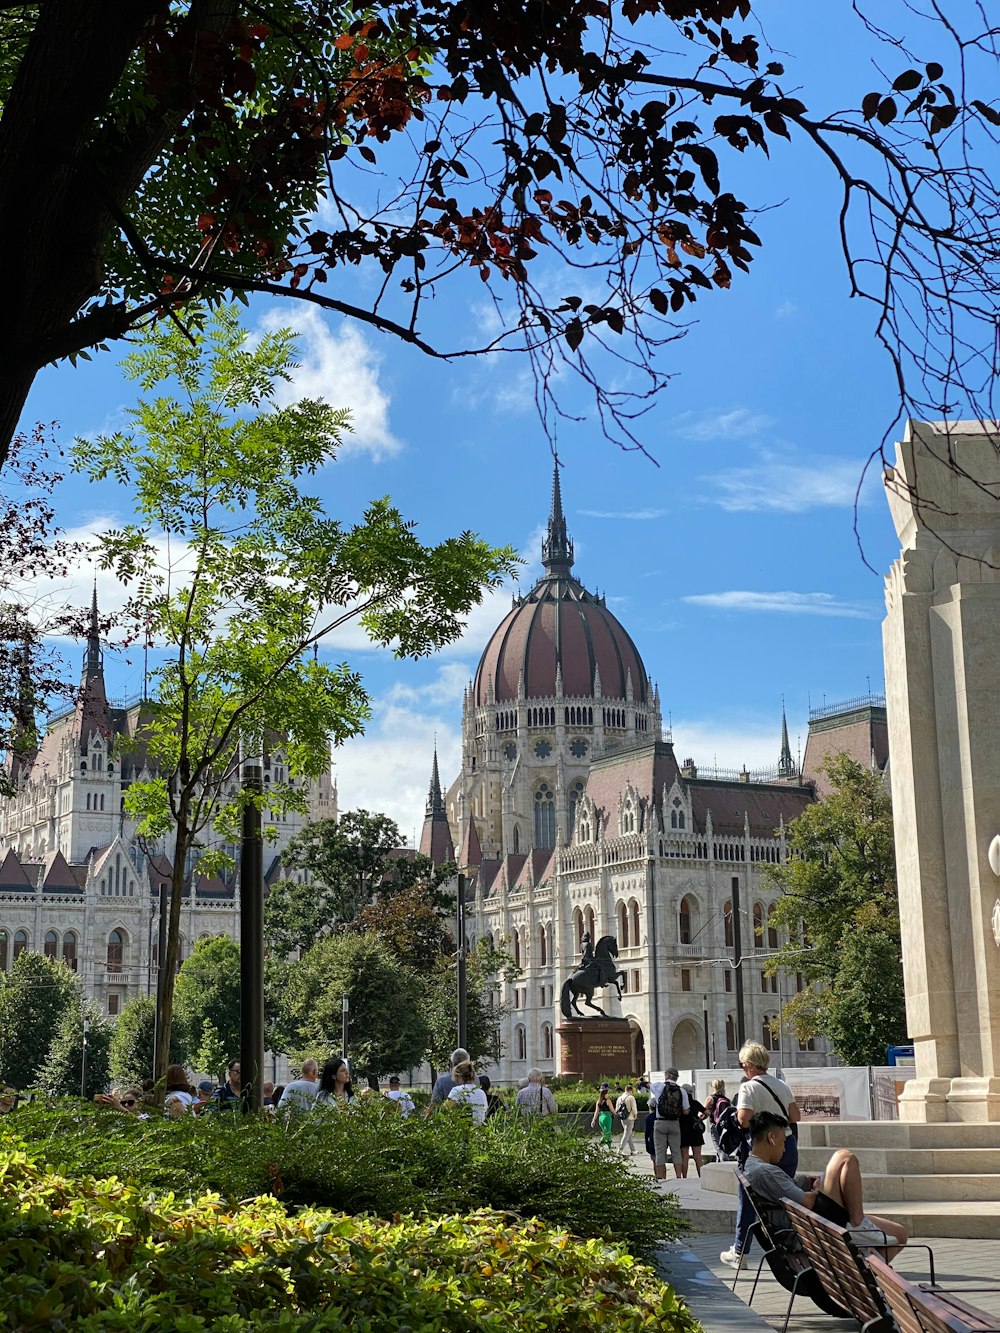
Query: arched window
(4,946)
(516,945)
(727,917)
(543,947)
(116,951)
(517,839)
(758,923)
(772,929)
(50,946)
(69,949)
(102,800)
(621,912)
(808,1045)
(583,832)
(684,920)
(547,1041)
(634,923)
(88,800)
(769,1033)
(20,943)
(545,816)
(628,817)
(578,926)
(680,819)
(730,1033)
(520,1043)
(588,919)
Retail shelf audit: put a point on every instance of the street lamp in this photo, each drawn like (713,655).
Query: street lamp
(83,1059)
(708,1048)
(463,1016)
(346,1023)
(251,930)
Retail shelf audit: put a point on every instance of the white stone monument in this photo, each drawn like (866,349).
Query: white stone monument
(941,639)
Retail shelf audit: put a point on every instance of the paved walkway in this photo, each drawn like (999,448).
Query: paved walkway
(960,1265)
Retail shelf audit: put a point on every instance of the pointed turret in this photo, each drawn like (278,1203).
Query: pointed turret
(435,837)
(92,709)
(557,548)
(786,764)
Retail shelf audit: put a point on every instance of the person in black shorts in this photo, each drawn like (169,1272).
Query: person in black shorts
(835,1195)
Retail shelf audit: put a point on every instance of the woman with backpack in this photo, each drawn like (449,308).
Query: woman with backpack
(760,1091)
(715,1104)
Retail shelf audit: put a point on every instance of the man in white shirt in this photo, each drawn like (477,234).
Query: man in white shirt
(400,1096)
(535,1098)
(300,1094)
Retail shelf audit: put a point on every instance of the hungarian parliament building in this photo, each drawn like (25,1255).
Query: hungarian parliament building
(571,815)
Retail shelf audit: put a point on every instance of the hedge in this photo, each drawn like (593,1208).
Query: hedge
(98,1256)
(365,1161)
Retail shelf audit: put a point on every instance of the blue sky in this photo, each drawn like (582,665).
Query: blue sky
(733,563)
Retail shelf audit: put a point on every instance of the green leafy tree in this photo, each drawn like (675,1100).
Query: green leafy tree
(484,1013)
(349,865)
(190,144)
(215,464)
(388,1030)
(840,907)
(35,998)
(207,993)
(212,1056)
(131,1055)
(63,1071)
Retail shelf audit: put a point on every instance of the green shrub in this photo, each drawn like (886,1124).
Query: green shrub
(102,1257)
(366,1160)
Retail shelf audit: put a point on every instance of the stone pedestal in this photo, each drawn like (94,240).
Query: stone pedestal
(941,639)
(592,1048)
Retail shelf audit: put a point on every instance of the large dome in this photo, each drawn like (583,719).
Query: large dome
(559,625)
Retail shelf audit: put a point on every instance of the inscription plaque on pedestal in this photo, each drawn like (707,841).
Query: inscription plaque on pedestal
(599,1046)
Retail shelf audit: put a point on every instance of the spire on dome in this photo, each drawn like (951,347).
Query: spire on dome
(92,707)
(786,765)
(557,548)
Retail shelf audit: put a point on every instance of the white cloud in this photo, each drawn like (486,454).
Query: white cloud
(789,487)
(624,515)
(342,368)
(735,424)
(754,744)
(389,768)
(784,603)
(785,310)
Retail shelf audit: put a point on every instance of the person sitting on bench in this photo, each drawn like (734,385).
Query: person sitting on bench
(835,1195)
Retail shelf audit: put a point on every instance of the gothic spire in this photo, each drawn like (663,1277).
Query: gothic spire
(435,801)
(93,664)
(786,764)
(557,548)
(92,705)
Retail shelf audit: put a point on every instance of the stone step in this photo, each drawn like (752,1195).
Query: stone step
(907,1199)
(911,1161)
(896,1134)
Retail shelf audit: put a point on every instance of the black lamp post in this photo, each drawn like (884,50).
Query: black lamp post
(252,936)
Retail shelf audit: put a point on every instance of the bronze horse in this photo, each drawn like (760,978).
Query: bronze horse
(600,970)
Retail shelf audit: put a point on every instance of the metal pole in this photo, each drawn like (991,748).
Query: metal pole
(741,1034)
(463,1012)
(252,938)
(346,1025)
(83,1059)
(708,1047)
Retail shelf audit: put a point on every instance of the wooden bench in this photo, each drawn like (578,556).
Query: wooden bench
(916,1309)
(841,1269)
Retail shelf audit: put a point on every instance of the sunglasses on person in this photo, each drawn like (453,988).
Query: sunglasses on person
(128,1101)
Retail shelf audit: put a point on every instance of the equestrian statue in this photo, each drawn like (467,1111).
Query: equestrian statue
(597,968)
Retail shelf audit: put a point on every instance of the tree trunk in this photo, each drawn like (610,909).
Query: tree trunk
(165,995)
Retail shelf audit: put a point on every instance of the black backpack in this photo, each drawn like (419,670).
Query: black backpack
(669,1104)
(730,1134)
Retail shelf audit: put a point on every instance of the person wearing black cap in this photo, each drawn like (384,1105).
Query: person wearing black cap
(603,1115)
(400,1096)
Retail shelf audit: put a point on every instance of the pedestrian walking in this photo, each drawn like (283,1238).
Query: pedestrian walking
(627,1109)
(603,1115)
